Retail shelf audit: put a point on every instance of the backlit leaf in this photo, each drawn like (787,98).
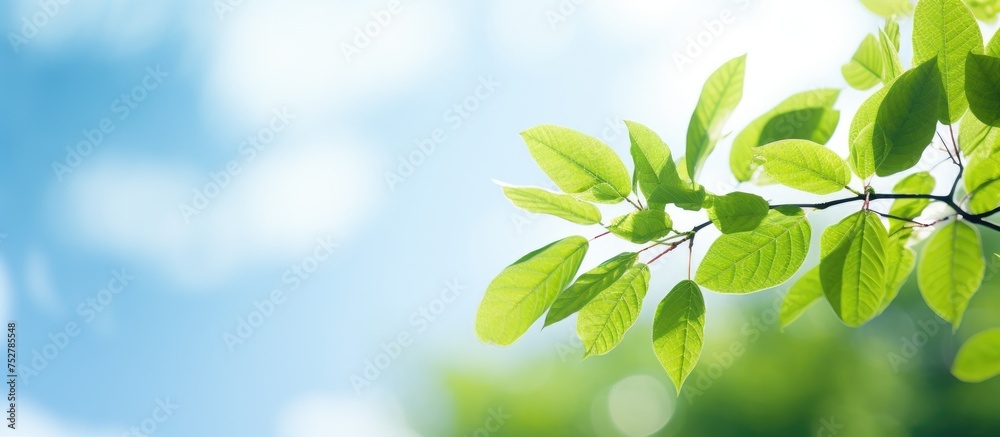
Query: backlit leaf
(719,97)
(853,267)
(804,165)
(603,322)
(579,164)
(979,358)
(806,292)
(738,212)
(564,206)
(588,285)
(679,331)
(947,30)
(642,226)
(951,269)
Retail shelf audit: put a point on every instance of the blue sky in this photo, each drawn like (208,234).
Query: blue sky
(297,143)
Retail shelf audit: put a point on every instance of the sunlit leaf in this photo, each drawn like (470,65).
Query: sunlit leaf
(653,164)
(892,67)
(865,68)
(766,130)
(588,285)
(974,136)
(679,331)
(579,164)
(983,88)
(947,30)
(982,182)
(762,258)
(642,226)
(853,267)
(522,292)
(906,120)
(979,358)
(916,183)
(951,269)
(889,8)
(603,322)
(564,206)
(719,97)
(738,212)
(804,165)
(900,261)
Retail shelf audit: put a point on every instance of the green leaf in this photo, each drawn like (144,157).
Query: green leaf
(889,8)
(983,88)
(982,181)
(642,226)
(762,258)
(738,212)
(979,358)
(975,136)
(891,30)
(679,331)
(865,68)
(579,164)
(564,206)
(691,199)
(900,261)
(853,267)
(993,47)
(789,109)
(860,137)
(807,291)
(719,97)
(906,120)
(804,165)
(653,164)
(815,124)
(588,286)
(522,292)
(892,67)
(947,30)
(951,269)
(917,183)
(603,322)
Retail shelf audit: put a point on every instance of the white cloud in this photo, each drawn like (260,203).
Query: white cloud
(290,53)
(324,416)
(273,210)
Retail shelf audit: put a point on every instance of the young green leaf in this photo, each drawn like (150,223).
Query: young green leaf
(891,30)
(814,124)
(588,285)
(564,206)
(762,258)
(906,119)
(653,165)
(900,261)
(522,292)
(889,8)
(804,165)
(917,183)
(974,136)
(642,226)
(865,68)
(684,197)
(982,181)
(892,67)
(853,267)
(603,322)
(947,30)
(765,129)
(860,137)
(719,97)
(993,47)
(979,358)
(579,164)
(982,85)
(679,331)
(807,291)
(738,212)
(951,269)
